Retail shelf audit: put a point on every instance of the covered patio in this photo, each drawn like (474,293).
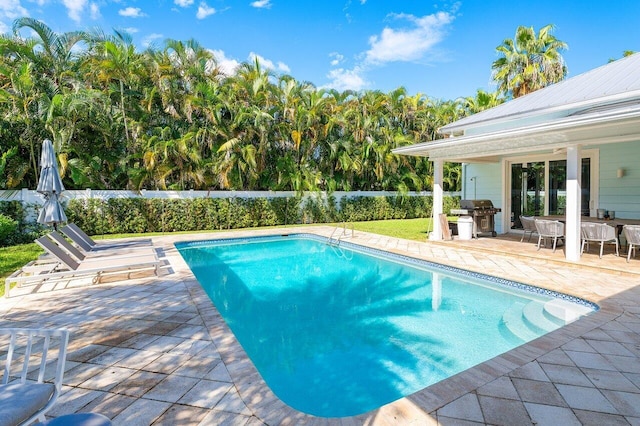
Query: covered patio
(582,137)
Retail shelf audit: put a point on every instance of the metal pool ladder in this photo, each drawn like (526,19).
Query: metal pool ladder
(340,232)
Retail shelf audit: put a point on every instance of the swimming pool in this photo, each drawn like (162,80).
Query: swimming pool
(339,331)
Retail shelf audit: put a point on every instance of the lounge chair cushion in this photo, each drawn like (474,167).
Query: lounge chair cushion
(18,401)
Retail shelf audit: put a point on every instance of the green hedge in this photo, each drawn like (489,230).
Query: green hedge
(14,226)
(138,215)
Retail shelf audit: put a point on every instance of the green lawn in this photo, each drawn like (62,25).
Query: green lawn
(410,229)
(13,258)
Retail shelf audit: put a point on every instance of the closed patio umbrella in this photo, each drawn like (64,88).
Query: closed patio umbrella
(50,185)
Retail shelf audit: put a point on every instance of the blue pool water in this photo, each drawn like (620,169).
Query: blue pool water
(337,332)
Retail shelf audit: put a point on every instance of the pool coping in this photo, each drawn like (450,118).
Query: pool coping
(416,407)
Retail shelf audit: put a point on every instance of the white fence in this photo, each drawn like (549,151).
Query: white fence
(32,200)
(28,196)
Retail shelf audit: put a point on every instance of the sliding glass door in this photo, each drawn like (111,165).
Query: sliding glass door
(538,188)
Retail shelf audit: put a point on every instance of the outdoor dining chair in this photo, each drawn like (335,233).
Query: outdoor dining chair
(29,387)
(549,229)
(598,232)
(632,235)
(528,225)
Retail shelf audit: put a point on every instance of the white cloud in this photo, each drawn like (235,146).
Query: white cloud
(343,79)
(261,4)
(226,65)
(148,40)
(183,3)
(94,9)
(12,9)
(336,58)
(269,64)
(408,44)
(204,10)
(284,67)
(75,8)
(131,30)
(3,28)
(131,12)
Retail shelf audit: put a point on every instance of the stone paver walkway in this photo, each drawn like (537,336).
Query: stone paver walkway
(154,350)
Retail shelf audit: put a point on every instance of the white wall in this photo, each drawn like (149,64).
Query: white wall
(620,194)
(484,182)
(31,196)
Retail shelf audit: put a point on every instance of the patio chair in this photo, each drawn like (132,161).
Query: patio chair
(114,252)
(528,225)
(93,268)
(29,387)
(549,229)
(632,235)
(598,232)
(79,237)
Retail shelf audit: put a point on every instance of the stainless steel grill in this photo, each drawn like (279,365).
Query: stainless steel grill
(483,214)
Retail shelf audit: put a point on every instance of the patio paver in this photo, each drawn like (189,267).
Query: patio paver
(154,350)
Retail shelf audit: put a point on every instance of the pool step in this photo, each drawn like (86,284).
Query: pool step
(514,321)
(528,321)
(539,319)
(565,312)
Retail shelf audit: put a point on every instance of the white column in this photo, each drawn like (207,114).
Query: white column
(573,207)
(436,235)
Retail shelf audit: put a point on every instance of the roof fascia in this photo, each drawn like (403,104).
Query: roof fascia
(556,134)
(514,118)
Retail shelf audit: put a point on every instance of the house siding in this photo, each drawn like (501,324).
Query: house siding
(620,194)
(488,186)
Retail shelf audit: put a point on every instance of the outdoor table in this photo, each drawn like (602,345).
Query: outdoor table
(618,223)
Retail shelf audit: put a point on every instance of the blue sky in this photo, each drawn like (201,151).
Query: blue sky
(440,49)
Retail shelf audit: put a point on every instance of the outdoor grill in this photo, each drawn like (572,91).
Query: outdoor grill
(483,214)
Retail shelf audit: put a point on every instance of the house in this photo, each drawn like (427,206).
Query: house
(568,149)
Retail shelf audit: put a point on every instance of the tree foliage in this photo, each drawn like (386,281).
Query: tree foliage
(529,61)
(170,118)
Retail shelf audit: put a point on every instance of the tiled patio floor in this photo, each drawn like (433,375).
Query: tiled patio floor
(154,350)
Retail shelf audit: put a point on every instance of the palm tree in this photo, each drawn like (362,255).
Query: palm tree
(114,59)
(625,53)
(22,98)
(53,53)
(529,62)
(481,101)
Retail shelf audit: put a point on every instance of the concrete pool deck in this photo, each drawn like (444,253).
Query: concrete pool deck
(154,350)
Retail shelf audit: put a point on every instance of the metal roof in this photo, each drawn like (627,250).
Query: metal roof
(595,128)
(611,84)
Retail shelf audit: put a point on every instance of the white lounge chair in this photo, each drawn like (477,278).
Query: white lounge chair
(31,354)
(550,229)
(598,232)
(528,225)
(632,235)
(79,237)
(112,253)
(94,268)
